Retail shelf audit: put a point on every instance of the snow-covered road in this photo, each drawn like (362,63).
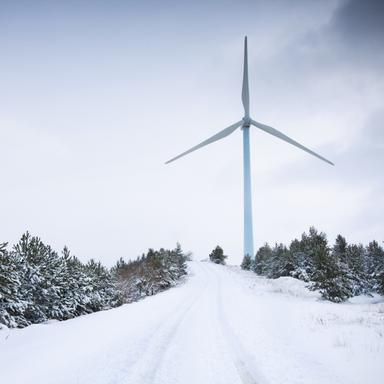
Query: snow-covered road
(222,326)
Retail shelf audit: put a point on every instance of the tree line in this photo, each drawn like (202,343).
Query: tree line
(38,284)
(339,271)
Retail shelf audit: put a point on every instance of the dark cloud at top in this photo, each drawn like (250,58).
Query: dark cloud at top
(361,20)
(359,26)
(352,38)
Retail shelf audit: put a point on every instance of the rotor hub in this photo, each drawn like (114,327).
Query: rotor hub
(246,122)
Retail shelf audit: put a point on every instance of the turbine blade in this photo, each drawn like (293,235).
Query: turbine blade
(245,90)
(220,135)
(280,135)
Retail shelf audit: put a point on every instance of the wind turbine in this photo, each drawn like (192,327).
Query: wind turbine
(245,124)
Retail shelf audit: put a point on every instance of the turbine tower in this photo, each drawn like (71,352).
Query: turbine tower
(245,123)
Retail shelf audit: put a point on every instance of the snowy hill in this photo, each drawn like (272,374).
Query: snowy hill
(223,325)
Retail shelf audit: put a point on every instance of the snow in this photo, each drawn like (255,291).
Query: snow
(222,326)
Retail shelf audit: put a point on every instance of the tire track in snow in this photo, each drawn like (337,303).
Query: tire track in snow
(242,360)
(151,359)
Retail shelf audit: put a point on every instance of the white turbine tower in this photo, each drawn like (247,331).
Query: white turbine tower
(245,125)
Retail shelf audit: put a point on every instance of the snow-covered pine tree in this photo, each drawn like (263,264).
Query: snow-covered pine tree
(174,264)
(326,274)
(339,249)
(37,284)
(78,287)
(308,245)
(179,260)
(339,273)
(102,293)
(280,262)
(150,273)
(217,255)
(359,281)
(247,262)
(29,252)
(12,307)
(299,260)
(349,259)
(155,272)
(375,266)
(262,260)
(44,281)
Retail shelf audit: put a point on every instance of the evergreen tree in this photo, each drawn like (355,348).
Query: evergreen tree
(280,263)
(299,260)
(325,272)
(217,256)
(78,288)
(103,294)
(36,284)
(12,307)
(150,273)
(375,266)
(338,272)
(355,269)
(350,262)
(313,246)
(329,279)
(247,262)
(262,260)
(339,250)
(29,251)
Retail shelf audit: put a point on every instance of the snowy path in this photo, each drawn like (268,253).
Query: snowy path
(222,326)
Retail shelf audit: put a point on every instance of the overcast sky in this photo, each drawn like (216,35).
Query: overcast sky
(96,95)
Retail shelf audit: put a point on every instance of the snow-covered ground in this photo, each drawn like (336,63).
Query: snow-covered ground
(223,325)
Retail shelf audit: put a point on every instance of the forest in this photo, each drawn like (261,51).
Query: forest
(38,284)
(339,271)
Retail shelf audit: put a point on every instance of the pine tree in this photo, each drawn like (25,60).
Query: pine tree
(311,246)
(150,273)
(78,288)
(340,249)
(280,262)
(375,266)
(36,284)
(338,272)
(299,260)
(29,251)
(326,274)
(355,270)
(247,262)
(350,262)
(217,256)
(103,294)
(262,260)
(12,306)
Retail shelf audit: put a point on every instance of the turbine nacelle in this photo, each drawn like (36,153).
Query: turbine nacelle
(247,121)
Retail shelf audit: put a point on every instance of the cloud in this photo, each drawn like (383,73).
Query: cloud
(355,34)
(360,26)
